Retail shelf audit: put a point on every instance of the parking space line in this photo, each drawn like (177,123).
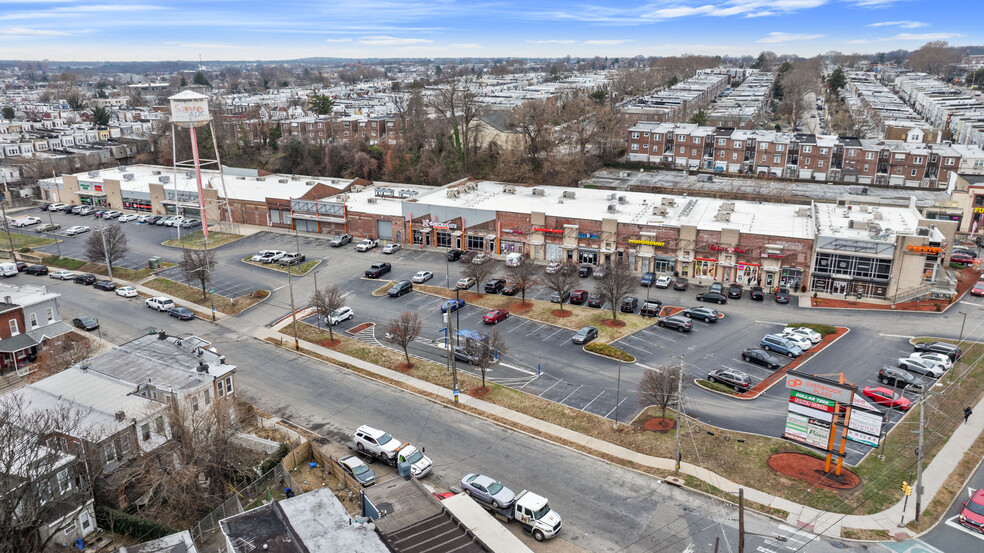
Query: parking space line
(616,407)
(548,389)
(585,408)
(552,334)
(570,394)
(952,523)
(638,348)
(537,329)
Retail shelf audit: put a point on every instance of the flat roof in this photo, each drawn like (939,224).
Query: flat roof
(854,223)
(161,363)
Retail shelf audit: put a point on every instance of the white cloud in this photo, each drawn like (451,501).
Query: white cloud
(20,32)
(681,11)
(924,36)
(902,24)
(874,3)
(646,14)
(207,45)
(338,40)
(382,40)
(759,14)
(779,37)
(555,41)
(465,46)
(613,42)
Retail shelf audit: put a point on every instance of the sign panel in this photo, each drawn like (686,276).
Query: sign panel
(808,412)
(861,438)
(819,389)
(869,423)
(646,242)
(813,402)
(807,430)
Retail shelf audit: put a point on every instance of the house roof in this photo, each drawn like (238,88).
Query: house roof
(180,542)
(171,363)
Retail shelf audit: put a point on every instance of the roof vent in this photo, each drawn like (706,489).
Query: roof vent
(189,174)
(120,415)
(372,199)
(509,189)
(612,208)
(164,179)
(568,194)
(454,193)
(538,192)
(203,367)
(283,181)
(623,200)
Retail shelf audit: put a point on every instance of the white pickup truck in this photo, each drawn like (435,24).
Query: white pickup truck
(379,445)
(530,510)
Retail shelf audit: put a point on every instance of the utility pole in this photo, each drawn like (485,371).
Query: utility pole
(6,227)
(741,520)
(457,314)
(676,465)
(919,459)
(293,310)
(109,266)
(452,360)
(57,241)
(618,386)
(318,318)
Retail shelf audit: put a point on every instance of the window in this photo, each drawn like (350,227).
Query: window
(807,149)
(852,153)
(722,142)
(869,155)
(765,157)
(635,135)
(228,382)
(734,156)
(737,144)
(124,445)
(34,320)
(865,167)
(693,152)
(645,146)
(321,125)
(657,136)
(145,431)
(221,389)
(635,147)
(645,134)
(763,146)
(696,140)
(933,158)
(159,425)
(194,404)
(819,163)
(913,173)
(775,159)
(13,327)
(682,137)
(208,397)
(823,151)
(683,150)
(780,147)
(806,163)
(949,161)
(899,157)
(917,160)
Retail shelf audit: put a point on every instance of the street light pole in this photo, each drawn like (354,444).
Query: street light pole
(293,310)
(318,318)
(57,241)
(676,462)
(457,314)
(109,266)
(618,386)
(959,340)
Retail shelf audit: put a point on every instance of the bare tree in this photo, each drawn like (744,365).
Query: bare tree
(107,244)
(43,477)
(534,120)
(197,266)
(403,330)
(563,281)
(456,102)
(525,275)
(325,302)
(490,352)
(70,349)
(615,285)
(660,386)
(480,272)
(933,57)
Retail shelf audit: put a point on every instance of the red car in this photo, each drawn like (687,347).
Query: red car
(961,257)
(887,397)
(972,515)
(978,289)
(494,316)
(578,297)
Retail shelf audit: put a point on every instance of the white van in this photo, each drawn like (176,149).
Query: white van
(513,259)
(8,269)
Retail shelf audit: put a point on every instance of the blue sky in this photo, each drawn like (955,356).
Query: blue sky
(120,30)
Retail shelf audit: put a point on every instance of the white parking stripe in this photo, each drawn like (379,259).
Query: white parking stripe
(553,333)
(585,408)
(570,394)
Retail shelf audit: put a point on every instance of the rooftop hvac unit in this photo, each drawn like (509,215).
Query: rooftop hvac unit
(189,174)
(723,216)
(623,174)
(310,183)
(612,208)
(539,192)
(341,197)
(623,200)
(334,181)
(295,177)
(863,208)
(613,196)
(454,193)
(667,201)
(874,228)
(922,231)
(240,178)
(371,200)
(569,194)
(509,189)
(660,210)
(804,212)
(727,206)
(356,188)
(155,172)
(164,179)
(283,181)
(853,224)
(260,179)
(93,174)
(878,215)
(122,168)
(128,177)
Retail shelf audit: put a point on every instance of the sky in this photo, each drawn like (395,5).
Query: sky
(151,30)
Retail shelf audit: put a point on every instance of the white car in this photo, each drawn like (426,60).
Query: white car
(159,303)
(144,218)
(938,358)
(62,275)
(26,221)
(808,333)
(366,245)
(392,247)
(56,207)
(376,442)
(482,257)
(803,342)
(662,281)
(339,315)
(127,217)
(111,214)
(422,276)
(552,267)
(268,256)
(173,221)
(72,231)
(921,366)
(126,292)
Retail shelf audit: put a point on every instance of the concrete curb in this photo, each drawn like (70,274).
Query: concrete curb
(783,369)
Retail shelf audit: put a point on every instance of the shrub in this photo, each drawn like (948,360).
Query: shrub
(26,249)
(131,525)
(609,351)
(824,330)
(957,266)
(64,262)
(716,386)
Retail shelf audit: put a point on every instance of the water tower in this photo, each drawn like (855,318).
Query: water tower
(190,110)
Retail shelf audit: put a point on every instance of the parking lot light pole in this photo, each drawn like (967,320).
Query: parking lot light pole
(293,310)
(457,314)
(318,317)
(964,322)
(57,241)
(109,266)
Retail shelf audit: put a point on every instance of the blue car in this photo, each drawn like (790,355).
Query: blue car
(647,279)
(451,306)
(182,313)
(780,344)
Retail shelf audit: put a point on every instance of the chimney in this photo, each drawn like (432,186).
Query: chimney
(6,299)
(120,415)
(162,335)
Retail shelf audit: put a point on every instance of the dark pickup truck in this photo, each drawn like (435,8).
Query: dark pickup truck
(378,269)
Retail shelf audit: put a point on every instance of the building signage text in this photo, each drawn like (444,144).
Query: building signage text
(439,225)
(646,242)
(818,388)
(548,230)
(590,235)
(733,249)
(924,249)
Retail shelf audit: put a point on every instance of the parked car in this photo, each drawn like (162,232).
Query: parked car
(950,350)
(510,290)
(377,270)
(494,286)
(85,210)
(189,223)
(85,278)
(735,291)
(341,314)
(680,283)
(662,281)
(366,244)
(104,285)
(780,344)
(761,357)
(62,274)
(713,297)
(111,214)
(399,288)
(39,270)
(757,293)
(85,322)
(340,240)
(422,276)
(159,303)
(267,256)
(584,271)
(465,355)
(651,308)
(464,283)
(803,342)
(21,266)
(972,514)
(481,257)
(378,443)
(72,231)
(556,298)
(812,335)
(629,305)
(782,295)
(705,314)
(74,210)
(600,272)
(961,257)
(647,279)
(144,218)
(126,218)
(717,288)
(47,227)
(127,292)
(467,256)
(181,313)
(676,322)
(487,490)
(293,258)
(452,305)
(552,267)
(585,335)
(738,380)
(596,301)
(357,469)
(495,316)
(392,247)
(26,221)
(922,367)
(888,398)
(898,378)
(578,297)
(454,255)
(978,289)
(940,359)
(154,220)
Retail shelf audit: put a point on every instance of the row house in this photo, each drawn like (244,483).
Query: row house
(944,106)
(741,108)
(30,327)
(676,103)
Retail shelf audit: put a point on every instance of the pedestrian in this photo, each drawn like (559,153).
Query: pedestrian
(967,414)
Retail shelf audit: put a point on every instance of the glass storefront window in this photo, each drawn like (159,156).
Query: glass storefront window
(703,268)
(418,237)
(443,239)
(476,242)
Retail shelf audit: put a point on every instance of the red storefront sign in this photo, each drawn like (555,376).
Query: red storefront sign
(548,230)
(733,249)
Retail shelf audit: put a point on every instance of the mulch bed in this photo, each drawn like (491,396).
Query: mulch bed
(518,307)
(810,469)
(329,343)
(966,278)
(613,324)
(561,313)
(359,328)
(478,392)
(657,424)
(670,310)
(781,373)
(404,368)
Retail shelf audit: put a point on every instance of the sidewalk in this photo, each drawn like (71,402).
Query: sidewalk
(801,516)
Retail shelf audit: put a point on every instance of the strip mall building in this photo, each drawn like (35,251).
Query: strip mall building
(845,248)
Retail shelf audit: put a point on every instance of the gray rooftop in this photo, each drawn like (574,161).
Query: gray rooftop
(180,542)
(166,363)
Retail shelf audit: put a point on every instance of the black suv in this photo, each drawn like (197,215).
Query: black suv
(454,255)
(676,322)
(584,271)
(651,308)
(893,376)
(715,297)
(104,285)
(629,305)
(734,291)
(400,288)
(757,293)
(950,350)
(36,270)
(782,295)
(494,286)
(738,380)
(85,278)
(596,301)
(378,269)
(510,290)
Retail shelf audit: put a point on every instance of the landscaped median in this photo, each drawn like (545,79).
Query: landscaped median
(300,269)
(223,304)
(609,351)
(543,311)
(196,240)
(72,264)
(21,241)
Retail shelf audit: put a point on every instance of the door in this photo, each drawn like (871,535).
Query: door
(384,230)
(770,279)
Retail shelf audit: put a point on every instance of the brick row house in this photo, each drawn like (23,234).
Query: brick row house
(30,324)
